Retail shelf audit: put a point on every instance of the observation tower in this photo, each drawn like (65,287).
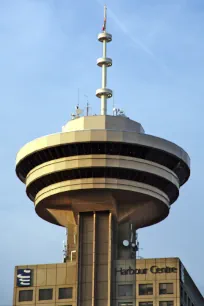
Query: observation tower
(102,178)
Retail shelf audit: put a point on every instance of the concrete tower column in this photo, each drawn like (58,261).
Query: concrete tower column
(96,245)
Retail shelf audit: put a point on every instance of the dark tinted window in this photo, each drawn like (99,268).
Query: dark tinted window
(45,294)
(166,288)
(125,304)
(185,297)
(25,295)
(65,293)
(125,290)
(145,303)
(145,289)
(181,292)
(166,303)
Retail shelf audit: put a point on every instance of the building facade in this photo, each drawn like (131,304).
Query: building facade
(144,282)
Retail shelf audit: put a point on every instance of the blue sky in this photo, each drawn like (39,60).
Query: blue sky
(49,50)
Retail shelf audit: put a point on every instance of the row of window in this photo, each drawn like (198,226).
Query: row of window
(162,303)
(145,289)
(45,294)
(123,290)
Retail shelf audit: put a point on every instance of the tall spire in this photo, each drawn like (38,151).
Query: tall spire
(104,93)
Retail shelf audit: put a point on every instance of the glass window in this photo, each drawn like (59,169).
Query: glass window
(145,303)
(185,297)
(181,292)
(125,290)
(45,294)
(166,288)
(189,302)
(65,293)
(125,304)
(25,295)
(166,303)
(145,289)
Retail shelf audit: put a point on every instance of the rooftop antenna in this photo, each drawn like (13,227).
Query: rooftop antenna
(113,104)
(87,105)
(65,248)
(78,96)
(104,93)
(78,112)
(138,247)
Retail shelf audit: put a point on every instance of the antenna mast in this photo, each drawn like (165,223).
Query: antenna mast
(87,105)
(104,93)
(78,96)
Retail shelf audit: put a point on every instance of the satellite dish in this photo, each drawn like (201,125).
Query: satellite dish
(78,111)
(125,243)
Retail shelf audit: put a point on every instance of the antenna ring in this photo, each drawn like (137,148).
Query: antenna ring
(104,36)
(104,61)
(104,92)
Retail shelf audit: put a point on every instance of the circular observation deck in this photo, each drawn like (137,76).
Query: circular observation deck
(103,163)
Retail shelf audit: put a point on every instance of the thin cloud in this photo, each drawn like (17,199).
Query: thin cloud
(135,41)
(126,32)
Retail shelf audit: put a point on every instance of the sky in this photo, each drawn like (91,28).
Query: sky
(49,50)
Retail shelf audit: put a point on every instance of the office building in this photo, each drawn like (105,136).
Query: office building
(154,282)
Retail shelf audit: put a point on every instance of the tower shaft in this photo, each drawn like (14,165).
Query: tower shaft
(99,246)
(95,258)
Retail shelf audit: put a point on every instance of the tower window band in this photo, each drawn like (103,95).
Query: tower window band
(108,148)
(108,172)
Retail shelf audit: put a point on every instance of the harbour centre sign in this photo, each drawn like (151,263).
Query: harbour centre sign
(153,270)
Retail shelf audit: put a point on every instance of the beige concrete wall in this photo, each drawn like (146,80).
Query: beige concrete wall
(53,276)
(149,278)
(63,275)
(158,278)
